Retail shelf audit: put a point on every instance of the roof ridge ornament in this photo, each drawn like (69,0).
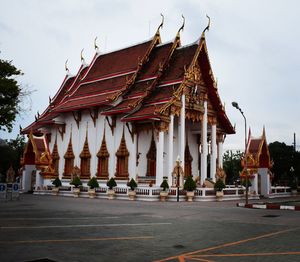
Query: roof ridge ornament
(66,67)
(182,26)
(161,24)
(95,45)
(82,58)
(207,27)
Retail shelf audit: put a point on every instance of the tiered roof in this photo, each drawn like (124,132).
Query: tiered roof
(137,83)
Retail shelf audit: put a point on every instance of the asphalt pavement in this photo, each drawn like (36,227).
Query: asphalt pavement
(54,228)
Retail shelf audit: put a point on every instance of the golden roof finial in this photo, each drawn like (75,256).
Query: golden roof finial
(161,24)
(81,57)
(66,67)
(182,27)
(207,27)
(95,44)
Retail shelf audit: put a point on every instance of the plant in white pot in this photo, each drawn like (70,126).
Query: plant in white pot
(76,182)
(190,185)
(164,193)
(111,183)
(57,183)
(93,184)
(219,186)
(133,185)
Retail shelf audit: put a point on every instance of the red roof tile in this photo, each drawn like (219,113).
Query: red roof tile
(118,61)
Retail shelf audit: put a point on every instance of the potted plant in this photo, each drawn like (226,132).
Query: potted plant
(57,183)
(190,185)
(293,185)
(219,186)
(111,183)
(164,193)
(93,184)
(131,193)
(76,182)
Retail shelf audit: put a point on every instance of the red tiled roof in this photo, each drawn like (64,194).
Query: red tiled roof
(146,112)
(118,61)
(254,146)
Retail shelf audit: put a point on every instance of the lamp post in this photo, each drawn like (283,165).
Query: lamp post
(236,105)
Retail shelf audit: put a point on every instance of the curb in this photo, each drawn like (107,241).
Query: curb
(269,206)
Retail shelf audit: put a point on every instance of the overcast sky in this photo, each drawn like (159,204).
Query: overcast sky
(253,47)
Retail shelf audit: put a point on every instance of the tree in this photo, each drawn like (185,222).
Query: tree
(10,94)
(284,157)
(10,154)
(232,165)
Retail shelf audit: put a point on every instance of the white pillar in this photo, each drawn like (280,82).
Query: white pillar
(160,158)
(182,130)
(220,154)
(213,156)
(204,145)
(170,153)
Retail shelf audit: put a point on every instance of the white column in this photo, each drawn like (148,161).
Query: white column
(213,156)
(170,153)
(182,131)
(160,158)
(204,145)
(220,154)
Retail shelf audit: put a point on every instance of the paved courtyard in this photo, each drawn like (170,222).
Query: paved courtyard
(37,228)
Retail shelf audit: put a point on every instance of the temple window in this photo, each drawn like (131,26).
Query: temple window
(85,162)
(69,160)
(188,159)
(103,156)
(122,160)
(151,159)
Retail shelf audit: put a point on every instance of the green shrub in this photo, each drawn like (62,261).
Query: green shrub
(164,185)
(219,185)
(132,184)
(190,184)
(244,182)
(56,182)
(76,181)
(111,183)
(93,183)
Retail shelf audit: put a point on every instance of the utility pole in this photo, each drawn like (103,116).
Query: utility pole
(294,144)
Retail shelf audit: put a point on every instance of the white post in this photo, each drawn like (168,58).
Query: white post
(171,146)
(160,158)
(204,145)
(220,154)
(182,130)
(213,156)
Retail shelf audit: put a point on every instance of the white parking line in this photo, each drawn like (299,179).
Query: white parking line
(92,225)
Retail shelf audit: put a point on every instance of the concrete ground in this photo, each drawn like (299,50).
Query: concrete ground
(50,228)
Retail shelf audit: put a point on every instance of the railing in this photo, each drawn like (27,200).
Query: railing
(280,189)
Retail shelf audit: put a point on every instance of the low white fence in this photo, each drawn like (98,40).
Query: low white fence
(147,193)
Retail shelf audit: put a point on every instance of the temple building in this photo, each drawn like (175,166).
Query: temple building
(131,113)
(258,165)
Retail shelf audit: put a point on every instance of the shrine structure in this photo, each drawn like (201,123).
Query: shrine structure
(258,165)
(129,114)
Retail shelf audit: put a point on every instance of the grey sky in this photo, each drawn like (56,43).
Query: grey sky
(253,46)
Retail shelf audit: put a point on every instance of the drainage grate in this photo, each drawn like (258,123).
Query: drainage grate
(271,216)
(179,246)
(42,260)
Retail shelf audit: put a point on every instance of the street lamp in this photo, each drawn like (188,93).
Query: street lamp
(236,105)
